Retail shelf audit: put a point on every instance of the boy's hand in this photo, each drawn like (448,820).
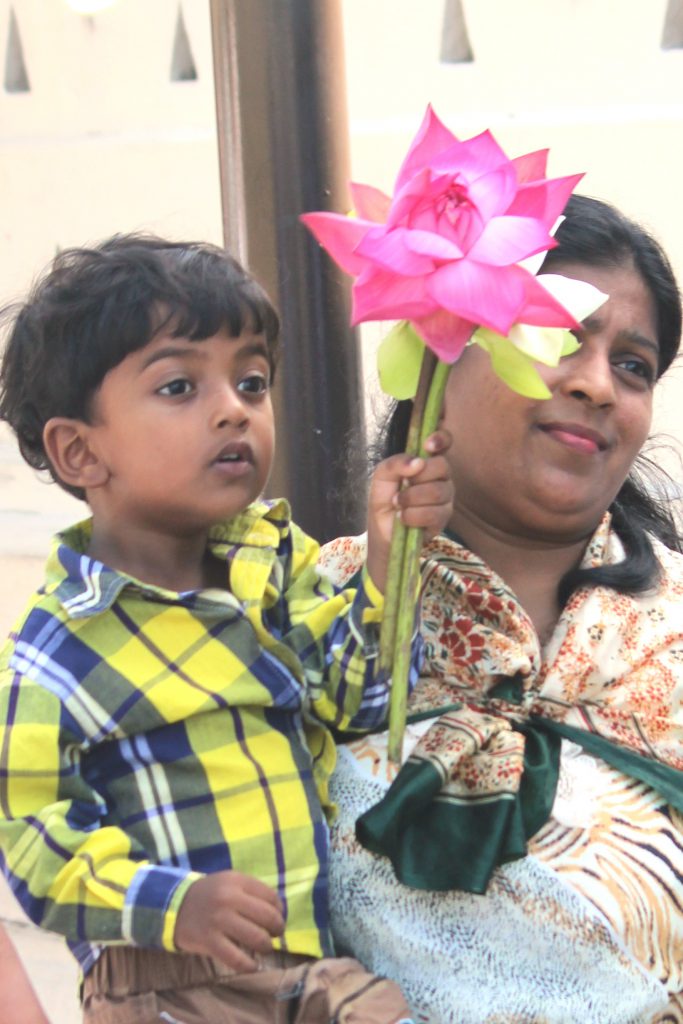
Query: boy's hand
(426,501)
(228,915)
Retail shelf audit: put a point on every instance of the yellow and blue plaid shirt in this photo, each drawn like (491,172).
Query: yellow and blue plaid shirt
(150,737)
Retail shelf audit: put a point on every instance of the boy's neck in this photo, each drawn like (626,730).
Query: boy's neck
(171,562)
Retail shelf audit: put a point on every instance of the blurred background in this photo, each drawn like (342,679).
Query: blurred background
(108,123)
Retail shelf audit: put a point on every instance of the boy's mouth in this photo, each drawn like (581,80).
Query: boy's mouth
(235,452)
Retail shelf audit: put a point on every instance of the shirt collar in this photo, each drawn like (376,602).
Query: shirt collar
(85,586)
(263,524)
(604,547)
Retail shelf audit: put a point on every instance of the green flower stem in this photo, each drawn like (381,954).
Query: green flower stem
(398,537)
(403,576)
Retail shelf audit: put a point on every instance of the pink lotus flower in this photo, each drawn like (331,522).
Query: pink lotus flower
(444,252)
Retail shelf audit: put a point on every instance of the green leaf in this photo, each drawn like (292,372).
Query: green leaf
(399,358)
(512,366)
(570,344)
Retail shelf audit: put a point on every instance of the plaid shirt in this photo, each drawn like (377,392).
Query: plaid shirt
(149,737)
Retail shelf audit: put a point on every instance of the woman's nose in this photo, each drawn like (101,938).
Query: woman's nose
(588,375)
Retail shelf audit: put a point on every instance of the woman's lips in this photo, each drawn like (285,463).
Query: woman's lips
(576,436)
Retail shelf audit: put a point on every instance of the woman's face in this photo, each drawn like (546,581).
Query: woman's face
(547,470)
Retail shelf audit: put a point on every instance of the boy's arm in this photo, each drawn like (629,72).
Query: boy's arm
(336,634)
(71,871)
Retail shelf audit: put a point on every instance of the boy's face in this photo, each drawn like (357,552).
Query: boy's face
(185,430)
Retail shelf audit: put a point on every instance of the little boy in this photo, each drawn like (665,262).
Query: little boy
(164,701)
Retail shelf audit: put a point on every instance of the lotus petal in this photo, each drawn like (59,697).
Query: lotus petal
(340,235)
(492,193)
(534,263)
(541,308)
(579,297)
(370,203)
(392,251)
(531,166)
(418,198)
(380,295)
(544,199)
(436,246)
(446,334)
(432,138)
(486,295)
(471,158)
(507,240)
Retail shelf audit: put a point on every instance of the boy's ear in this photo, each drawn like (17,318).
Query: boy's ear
(67,446)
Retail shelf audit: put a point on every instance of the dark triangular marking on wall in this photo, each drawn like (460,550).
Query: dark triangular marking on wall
(455,42)
(16,77)
(672,33)
(183,68)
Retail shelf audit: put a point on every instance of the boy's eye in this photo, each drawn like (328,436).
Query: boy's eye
(254,384)
(179,386)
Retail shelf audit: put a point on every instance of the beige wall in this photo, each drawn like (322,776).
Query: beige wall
(104,141)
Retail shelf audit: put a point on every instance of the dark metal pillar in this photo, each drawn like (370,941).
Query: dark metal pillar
(282,132)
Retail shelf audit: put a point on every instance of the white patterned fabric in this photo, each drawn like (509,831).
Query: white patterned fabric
(532,949)
(588,927)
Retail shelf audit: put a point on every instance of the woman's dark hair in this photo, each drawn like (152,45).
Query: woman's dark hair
(597,235)
(95,306)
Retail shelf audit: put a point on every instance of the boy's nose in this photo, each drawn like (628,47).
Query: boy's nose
(230,408)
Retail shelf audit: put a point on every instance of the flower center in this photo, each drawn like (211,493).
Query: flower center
(453,200)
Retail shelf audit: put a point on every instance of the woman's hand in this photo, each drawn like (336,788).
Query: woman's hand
(419,490)
(228,915)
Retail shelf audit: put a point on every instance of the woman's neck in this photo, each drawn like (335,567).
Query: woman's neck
(532,568)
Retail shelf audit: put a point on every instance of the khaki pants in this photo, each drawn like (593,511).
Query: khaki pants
(141,986)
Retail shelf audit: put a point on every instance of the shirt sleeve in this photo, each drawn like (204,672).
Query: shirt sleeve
(335,633)
(71,870)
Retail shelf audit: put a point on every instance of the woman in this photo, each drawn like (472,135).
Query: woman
(525,864)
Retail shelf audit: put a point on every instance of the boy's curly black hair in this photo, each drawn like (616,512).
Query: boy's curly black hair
(95,306)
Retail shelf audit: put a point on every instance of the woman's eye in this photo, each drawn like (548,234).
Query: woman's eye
(254,384)
(638,368)
(180,386)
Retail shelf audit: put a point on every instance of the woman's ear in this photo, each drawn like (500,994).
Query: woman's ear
(67,445)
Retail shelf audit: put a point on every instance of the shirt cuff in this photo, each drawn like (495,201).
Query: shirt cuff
(152,903)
